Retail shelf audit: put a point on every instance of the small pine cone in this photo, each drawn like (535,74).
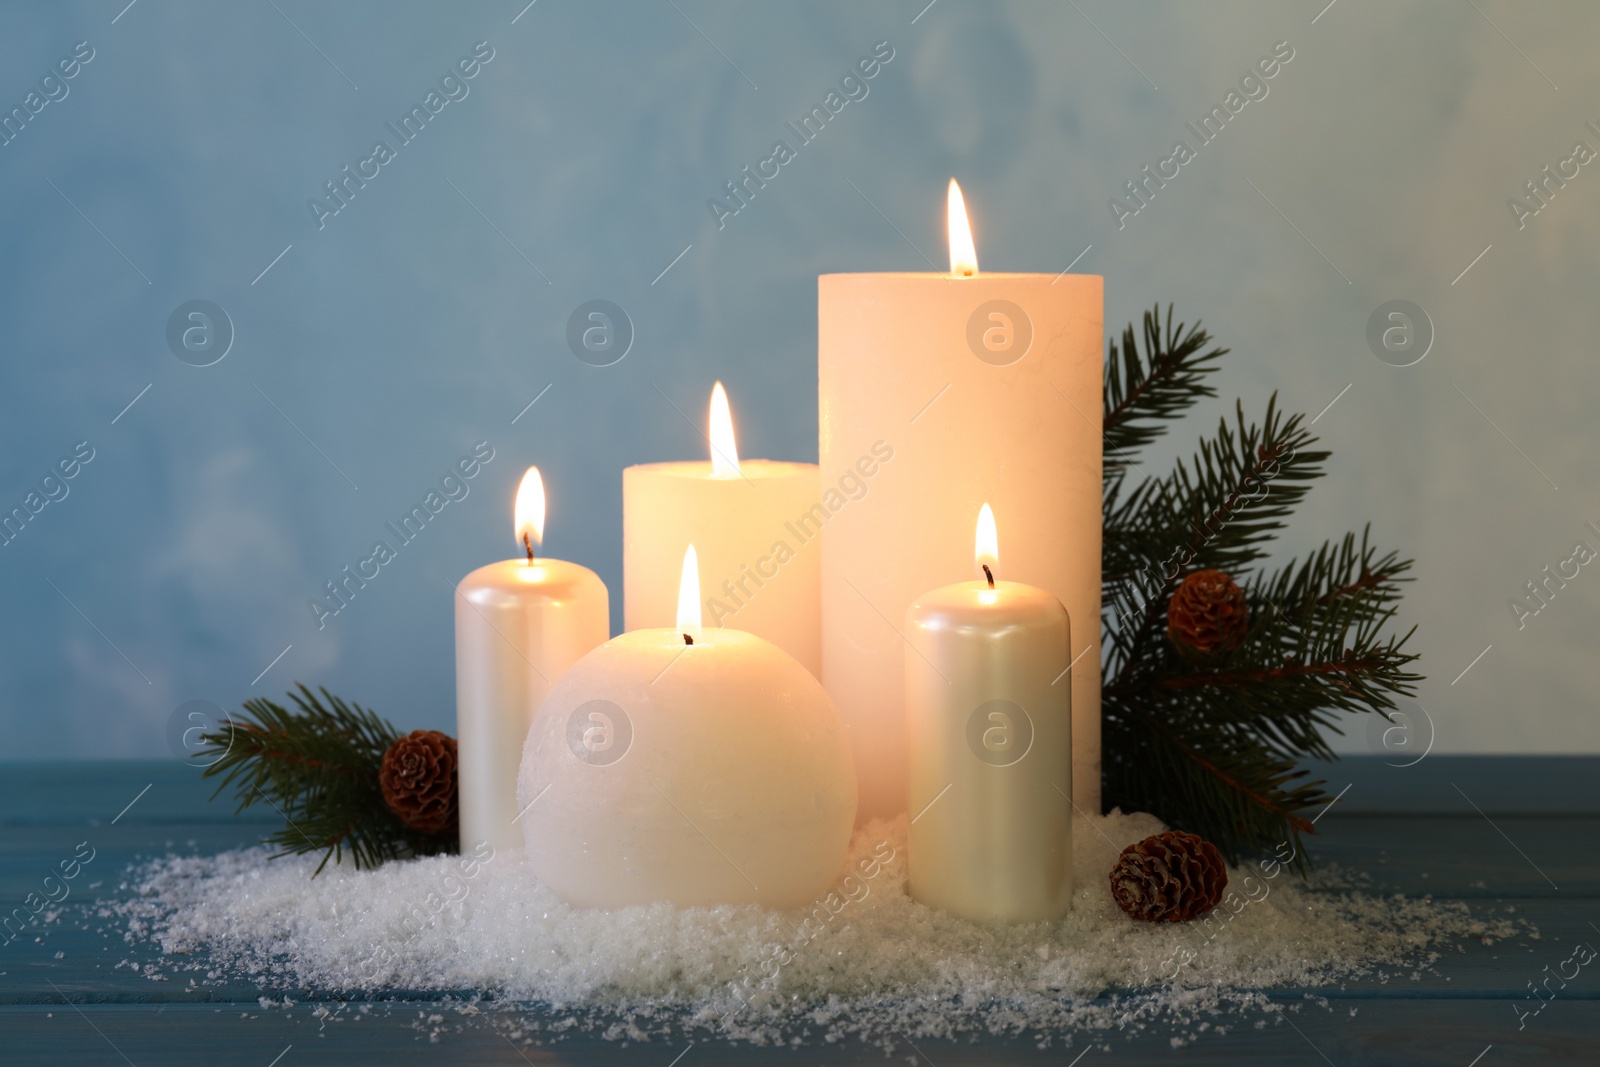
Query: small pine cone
(419,780)
(1171,877)
(1208,614)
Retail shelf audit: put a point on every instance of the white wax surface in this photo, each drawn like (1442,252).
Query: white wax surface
(519,626)
(895,365)
(716,773)
(989,716)
(756,540)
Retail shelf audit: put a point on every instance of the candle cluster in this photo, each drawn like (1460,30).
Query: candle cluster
(727,764)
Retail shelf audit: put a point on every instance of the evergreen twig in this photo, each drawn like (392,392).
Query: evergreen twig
(1214,746)
(318,767)
(1143,391)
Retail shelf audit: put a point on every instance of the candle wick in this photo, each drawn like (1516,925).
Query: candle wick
(688,640)
(527,542)
(989,574)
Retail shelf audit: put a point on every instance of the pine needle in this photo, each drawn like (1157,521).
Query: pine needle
(318,767)
(1214,748)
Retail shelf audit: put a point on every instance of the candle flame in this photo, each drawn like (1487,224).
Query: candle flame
(963,254)
(528,515)
(689,594)
(724,451)
(986,546)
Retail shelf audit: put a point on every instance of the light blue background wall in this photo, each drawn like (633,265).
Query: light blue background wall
(417,322)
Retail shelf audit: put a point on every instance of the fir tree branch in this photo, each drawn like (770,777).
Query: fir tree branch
(1296,823)
(1349,665)
(1142,392)
(1368,580)
(1214,745)
(1238,794)
(1218,508)
(318,767)
(1217,511)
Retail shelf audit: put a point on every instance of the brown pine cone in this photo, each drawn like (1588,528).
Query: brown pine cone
(1171,877)
(419,780)
(1208,614)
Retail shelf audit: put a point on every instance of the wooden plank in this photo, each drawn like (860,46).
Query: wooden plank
(110,793)
(1436,785)
(1437,1033)
(1465,855)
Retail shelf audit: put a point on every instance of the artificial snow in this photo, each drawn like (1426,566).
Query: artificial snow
(480,932)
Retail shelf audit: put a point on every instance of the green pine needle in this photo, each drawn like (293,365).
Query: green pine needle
(1143,391)
(1213,747)
(318,767)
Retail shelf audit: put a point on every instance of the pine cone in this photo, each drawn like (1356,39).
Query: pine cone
(1171,877)
(419,780)
(1208,614)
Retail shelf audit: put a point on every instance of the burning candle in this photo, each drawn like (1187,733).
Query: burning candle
(988,387)
(753,521)
(989,720)
(519,625)
(691,765)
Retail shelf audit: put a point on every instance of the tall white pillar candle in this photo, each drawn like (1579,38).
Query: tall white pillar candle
(987,387)
(754,524)
(520,624)
(989,719)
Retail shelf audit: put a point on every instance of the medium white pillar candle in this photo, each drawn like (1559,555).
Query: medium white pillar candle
(990,741)
(520,624)
(687,765)
(754,523)
(987,387)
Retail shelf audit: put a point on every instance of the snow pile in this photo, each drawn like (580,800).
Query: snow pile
(864,959)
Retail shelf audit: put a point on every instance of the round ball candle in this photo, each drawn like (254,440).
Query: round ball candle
(519,625)
(989,717)
(754,523)
(987,387)
(688,765)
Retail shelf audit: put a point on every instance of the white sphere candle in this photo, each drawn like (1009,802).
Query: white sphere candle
(989,717)
(987,387)
(754,523)
(692,766)
(520,624)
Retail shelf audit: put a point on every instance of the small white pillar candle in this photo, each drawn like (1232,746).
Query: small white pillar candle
(987,387)
(520,624)
(754,523)
(688,765)
(989,718)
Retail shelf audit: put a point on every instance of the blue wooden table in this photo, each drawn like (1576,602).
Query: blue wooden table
(1514,832)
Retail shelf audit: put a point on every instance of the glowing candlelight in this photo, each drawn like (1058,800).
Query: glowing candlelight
(528,512)
(963,254)
(724,451)
(689,596)
(986,545)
